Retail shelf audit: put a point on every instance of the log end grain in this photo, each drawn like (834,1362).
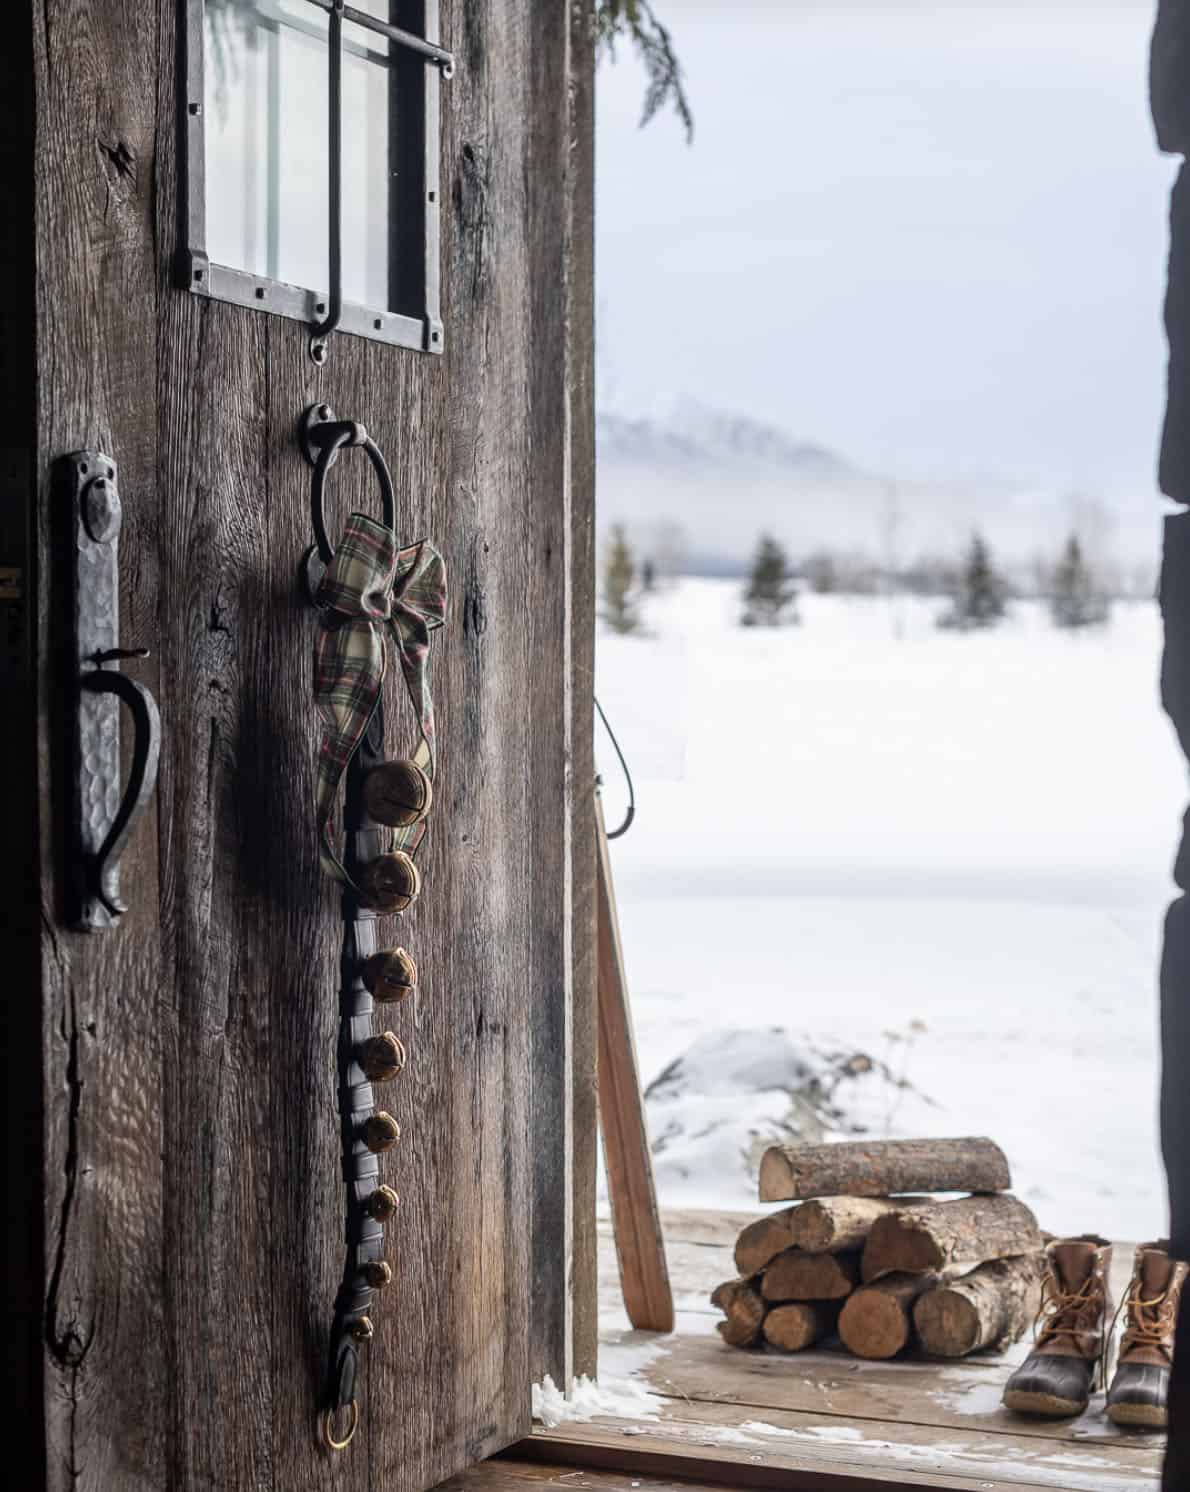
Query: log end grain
(947,1323)
(799,1324)
(741,1304)
(762,1241)
(875,1321)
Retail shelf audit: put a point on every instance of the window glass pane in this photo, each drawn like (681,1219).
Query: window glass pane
(266,145)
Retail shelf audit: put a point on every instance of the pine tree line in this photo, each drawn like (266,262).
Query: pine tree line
(979,592)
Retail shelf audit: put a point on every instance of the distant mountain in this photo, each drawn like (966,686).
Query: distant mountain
(722,478)
(697,434)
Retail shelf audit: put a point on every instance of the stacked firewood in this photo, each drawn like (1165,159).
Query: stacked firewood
(865,1255)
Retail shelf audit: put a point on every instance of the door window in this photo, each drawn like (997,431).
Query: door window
(258,161)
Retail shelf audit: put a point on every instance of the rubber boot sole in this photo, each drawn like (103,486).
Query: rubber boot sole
(1143,1416)
(1048,1405)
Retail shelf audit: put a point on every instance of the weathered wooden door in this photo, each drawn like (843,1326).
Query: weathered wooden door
(174,1231)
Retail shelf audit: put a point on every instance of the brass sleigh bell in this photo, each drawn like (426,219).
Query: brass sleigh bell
(382,1203)
(389,976)
(398,794)
(380,1132)
(390,883)
(381,1057)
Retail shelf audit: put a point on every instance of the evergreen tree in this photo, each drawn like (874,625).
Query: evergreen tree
(619,584)
(1076,599)
(667,84)
(981,593)
(648,577)
(770,599)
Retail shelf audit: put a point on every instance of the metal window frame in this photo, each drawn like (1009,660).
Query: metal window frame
(196,273)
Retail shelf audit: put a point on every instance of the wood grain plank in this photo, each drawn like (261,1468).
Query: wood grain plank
(106,1371)
(225,861)
(551,711)
(460,1369)
(640,1246)
(580,532)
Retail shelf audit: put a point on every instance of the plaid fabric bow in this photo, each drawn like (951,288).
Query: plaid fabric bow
(371,587)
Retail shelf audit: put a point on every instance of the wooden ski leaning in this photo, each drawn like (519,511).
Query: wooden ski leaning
(640,1247)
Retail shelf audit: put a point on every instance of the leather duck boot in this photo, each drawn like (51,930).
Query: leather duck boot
(1140,1388)
(1056,1378)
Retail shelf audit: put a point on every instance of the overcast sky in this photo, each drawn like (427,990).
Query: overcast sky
(930,236)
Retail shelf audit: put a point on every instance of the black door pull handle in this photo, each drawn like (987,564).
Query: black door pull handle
(102,817)
(101,867)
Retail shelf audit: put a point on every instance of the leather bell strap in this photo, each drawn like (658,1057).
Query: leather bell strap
(371,592)
(364,1233)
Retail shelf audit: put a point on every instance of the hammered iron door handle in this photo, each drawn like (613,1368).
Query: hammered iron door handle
(102,818)
(102,867)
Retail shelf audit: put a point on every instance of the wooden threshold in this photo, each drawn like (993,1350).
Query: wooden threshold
(509,1475)
(656,1455)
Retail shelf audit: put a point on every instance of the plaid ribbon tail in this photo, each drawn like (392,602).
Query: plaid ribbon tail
(370,589)
(419,608)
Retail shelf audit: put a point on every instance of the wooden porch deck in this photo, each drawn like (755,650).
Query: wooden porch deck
(823,1419)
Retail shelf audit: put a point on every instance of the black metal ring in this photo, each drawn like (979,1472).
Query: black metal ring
(326,456)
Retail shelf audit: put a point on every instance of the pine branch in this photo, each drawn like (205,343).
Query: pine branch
(635,19)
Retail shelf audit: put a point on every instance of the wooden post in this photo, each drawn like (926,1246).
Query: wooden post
(640,1248)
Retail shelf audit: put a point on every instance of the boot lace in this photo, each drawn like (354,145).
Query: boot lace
(1062,1313)
(1150,1322)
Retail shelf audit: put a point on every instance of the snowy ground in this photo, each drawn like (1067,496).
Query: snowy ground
(949,853)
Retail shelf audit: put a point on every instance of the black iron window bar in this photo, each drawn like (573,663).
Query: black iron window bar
(329,314)
(433,54)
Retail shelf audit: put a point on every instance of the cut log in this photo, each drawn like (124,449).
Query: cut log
(875,1321)
(800,1323)
(831,1224)
(986,1310)
(797,1276)
(966,1232)
(878,1168)
(740,1302)
(763,1240)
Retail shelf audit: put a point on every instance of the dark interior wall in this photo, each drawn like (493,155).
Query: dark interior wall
(175,1229)
(23,1239)
(1170,79)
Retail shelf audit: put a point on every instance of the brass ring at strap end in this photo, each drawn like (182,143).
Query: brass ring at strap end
(327,1419)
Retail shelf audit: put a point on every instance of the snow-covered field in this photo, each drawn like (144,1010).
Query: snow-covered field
(948,854)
